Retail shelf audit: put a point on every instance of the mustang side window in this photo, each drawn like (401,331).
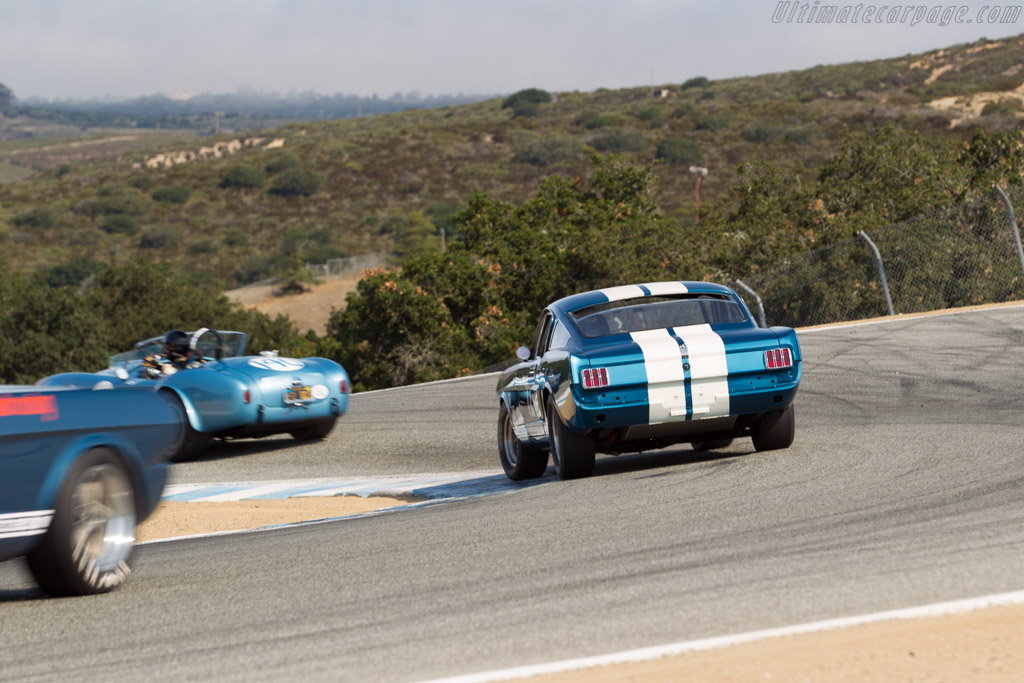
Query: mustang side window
(559,336)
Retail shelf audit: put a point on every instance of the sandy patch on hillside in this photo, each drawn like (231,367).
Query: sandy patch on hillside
(310,310)
(969,107)
(173,519)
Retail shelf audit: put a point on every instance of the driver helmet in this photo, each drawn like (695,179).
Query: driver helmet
(176,345)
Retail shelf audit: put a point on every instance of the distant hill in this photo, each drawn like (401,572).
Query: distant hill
(226,112)
(238,207)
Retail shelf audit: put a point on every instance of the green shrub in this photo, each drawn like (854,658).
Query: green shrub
(543,151)
(201,247)
(235,238)
(262,266)
(70,274)
(297,182)
(526,109)
(120,224)
(241,176)
(160,237)
(173,194)
(591,120)
(143,182)
(619,140)
(283,163)
(719,120)
(531,95)
(695,82)
(679,151)
(38,217)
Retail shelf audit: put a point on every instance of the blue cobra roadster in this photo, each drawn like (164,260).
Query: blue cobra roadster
(78,469)
(642,367)
(224,393)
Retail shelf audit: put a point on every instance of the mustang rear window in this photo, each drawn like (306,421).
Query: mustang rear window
(653,313)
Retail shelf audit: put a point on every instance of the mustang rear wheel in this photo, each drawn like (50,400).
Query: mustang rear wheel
(775,430)
(572,453)
(90,539)
(316,431)
(517,459)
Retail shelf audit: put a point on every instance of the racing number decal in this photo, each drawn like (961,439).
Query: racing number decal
(45,406)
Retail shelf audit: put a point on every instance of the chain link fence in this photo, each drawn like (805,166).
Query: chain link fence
(347,266)
(959,256)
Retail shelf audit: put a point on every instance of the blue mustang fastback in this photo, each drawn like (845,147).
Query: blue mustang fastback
(641,367)
(79,468)
(226,394)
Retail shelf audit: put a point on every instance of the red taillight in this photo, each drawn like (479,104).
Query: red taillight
(778,359)
(595,378)
(247,397)
(344,386)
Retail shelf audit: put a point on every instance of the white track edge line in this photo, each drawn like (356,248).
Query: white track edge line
(654,652)
(910,316)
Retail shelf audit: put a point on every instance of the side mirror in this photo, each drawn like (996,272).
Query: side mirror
(523,353)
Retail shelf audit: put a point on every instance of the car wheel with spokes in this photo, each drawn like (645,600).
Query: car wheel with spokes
(517,459)
(90,539)
(572,453)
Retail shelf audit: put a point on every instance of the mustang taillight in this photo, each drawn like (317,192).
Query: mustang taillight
(778,359)
(595,378)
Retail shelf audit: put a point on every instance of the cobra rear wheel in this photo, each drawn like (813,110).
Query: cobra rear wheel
(517,459)
(316,431)
(775,430)
(87,547)
(193,443)
(572,453)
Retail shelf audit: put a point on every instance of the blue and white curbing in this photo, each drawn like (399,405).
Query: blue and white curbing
(427,486)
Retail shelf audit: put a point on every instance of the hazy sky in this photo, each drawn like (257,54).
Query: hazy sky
(95,48)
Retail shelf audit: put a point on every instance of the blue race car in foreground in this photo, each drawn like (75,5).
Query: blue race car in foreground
(79,469)
(641,367)
(224,393)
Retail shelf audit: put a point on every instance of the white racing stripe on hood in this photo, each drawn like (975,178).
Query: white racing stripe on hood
(666,387)
(709,371)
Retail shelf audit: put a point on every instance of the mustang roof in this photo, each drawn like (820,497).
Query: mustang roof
(599,296)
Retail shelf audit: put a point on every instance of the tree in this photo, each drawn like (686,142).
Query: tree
(6,96)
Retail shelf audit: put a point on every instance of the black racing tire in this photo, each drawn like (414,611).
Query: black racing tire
(316,431)
(711,444)
(193,443)
(572,453)
(775,430)
(89,543)
(517,459)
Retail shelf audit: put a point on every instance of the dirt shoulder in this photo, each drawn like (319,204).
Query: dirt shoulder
(174,519)
(985,645)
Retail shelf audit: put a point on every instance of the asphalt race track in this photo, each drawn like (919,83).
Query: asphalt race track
(903,488)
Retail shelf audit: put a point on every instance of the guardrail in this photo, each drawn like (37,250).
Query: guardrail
(960,256)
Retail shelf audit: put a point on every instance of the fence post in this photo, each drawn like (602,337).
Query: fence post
(881,269)
(1013,225)
(757,299)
